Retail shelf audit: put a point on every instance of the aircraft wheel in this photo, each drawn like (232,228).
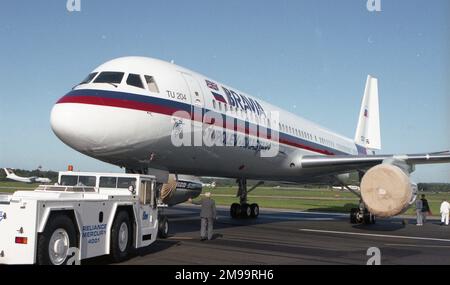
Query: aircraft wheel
(354,215)
(368,219)
(254,208)
(246,211)
(235,210)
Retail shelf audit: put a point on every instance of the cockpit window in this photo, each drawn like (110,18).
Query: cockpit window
(135,80)
(151,83)
(109,77)
(89,78)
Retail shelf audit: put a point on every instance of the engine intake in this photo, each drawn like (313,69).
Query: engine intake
(177,191)
(387,190)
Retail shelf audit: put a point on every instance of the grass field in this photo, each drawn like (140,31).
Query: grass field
(317,200)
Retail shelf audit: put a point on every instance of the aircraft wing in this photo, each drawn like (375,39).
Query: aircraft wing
(343,163)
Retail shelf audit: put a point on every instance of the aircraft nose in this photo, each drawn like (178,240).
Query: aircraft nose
(74,124)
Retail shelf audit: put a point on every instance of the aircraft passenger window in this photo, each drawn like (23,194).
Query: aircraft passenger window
(135,80)
(151,83)
(126,182)
(89,78)
(108,182)
(109,77)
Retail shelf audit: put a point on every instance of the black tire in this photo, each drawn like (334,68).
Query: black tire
(353,215)
(254,208)
(163,227)
(368,218)
(55,222)
(372,219)
(245,211)
(235,210)
(118,254)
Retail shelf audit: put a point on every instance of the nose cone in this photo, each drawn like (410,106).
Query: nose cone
(73,124)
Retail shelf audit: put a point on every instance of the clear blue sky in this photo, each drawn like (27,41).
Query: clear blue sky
(310,57)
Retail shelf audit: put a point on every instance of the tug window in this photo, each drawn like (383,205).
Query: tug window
(151,83)
(126,182)
(108,182)
(86,181)
(135,80)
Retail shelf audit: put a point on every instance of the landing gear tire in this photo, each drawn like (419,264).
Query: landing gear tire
(121,237)
(354,215)
(246,211)
(254,209)
(368,219)
(163,227)
(235,210)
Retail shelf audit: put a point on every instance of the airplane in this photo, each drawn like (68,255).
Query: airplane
(150,116)
(33,179)
(209,185)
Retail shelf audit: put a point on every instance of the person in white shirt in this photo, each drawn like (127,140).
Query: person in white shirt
(445,210)
(419,206)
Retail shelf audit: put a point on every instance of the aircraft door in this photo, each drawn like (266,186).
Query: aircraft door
(195,91)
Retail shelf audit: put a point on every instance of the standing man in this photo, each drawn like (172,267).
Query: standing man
(419,206)
(207,215)
(445,209)
(425,208)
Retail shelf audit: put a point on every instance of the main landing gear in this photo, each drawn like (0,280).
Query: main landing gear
(244,209)
(361,216)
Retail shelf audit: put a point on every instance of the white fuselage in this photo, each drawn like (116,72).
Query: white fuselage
(132,127)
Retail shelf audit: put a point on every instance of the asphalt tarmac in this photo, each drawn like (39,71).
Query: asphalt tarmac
(280,237)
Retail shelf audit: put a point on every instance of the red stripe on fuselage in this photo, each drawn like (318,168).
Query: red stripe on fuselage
(128,104)
(120,103)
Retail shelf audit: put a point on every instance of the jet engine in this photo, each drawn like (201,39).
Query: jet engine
(179,189)
(387,190)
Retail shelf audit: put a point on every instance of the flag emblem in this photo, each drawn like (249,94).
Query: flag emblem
(219,97)
(366,113)
(212,85)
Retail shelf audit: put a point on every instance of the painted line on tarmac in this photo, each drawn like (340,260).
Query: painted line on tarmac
(180,238)
(374,235)
(420,246)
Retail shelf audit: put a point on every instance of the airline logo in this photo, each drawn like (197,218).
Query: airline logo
(366,113)
(243,102)
(236,100)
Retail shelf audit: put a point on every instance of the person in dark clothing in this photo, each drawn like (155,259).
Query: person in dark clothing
(425,208)
(207,215)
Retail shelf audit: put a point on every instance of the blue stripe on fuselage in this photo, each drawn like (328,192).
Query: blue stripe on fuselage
(188,107)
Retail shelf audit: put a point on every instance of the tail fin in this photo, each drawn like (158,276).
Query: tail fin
(7,171)
(368,130)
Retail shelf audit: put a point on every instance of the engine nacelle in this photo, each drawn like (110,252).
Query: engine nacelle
(387,190)
(177,191)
